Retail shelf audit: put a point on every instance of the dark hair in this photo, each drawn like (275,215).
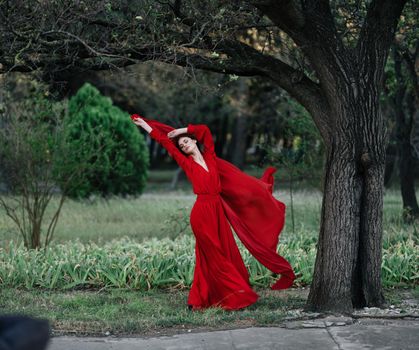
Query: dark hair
(185,134)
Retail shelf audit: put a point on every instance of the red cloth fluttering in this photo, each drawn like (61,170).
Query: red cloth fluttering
(255,214)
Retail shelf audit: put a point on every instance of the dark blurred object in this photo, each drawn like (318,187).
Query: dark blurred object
(23,333)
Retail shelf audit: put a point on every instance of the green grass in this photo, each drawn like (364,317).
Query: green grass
(110,228)
(133,312)
(161,263)
(152,214)
(102,220)
(125,252)
(154,312)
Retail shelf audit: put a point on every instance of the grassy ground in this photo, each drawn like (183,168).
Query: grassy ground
(150,215)
(150,313)
(158,213)
(156,312)
(145,313)
(101,220)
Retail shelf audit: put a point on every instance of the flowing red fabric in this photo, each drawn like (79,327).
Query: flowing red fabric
(255,215)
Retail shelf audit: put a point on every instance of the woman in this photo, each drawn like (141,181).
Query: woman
(224,195)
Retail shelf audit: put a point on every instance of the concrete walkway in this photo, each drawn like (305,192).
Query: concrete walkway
(321,334)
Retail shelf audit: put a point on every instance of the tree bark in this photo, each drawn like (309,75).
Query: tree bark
(347,271)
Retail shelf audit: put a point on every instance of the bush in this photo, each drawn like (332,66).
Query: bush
(123,160)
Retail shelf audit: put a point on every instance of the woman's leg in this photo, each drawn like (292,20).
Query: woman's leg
(220,277)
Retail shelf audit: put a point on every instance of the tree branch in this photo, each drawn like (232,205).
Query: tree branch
(286,14)
(303,22)
(311,26)
(377,35)
(246,61)
(294,81)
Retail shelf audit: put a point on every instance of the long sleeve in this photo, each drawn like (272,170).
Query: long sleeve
(203,135)
(174,152)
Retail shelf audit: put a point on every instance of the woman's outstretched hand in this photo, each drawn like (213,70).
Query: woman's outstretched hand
(141,122)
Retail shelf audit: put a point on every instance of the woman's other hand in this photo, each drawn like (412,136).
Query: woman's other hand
(176,132)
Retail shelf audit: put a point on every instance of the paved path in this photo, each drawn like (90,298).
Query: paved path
(318,334)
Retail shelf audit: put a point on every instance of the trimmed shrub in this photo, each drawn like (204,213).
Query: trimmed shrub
(121,165)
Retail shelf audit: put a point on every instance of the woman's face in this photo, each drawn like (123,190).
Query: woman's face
(187,145)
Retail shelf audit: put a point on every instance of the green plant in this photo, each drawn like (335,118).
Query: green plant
(165,263)
(178,223)
(123,160)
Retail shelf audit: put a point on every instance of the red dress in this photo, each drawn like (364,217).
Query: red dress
(220,276)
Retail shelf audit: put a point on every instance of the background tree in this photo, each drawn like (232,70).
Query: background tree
(33,142)
(301,155)
(153,89)
(122,164)
(401,101)
(336,75)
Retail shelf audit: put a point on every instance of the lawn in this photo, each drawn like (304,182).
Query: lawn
(158,312)
(147,313)
(124,265)
(153,213)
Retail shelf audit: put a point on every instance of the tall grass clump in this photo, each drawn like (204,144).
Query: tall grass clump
(167,263)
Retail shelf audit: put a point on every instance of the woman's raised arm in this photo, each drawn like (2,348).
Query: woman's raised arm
(203,135)
(162,139)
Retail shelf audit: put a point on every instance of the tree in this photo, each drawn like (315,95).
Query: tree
(403,107)
(123,161)
(34,152)
(402,100)
(152,89)
(336,75)
(301,154)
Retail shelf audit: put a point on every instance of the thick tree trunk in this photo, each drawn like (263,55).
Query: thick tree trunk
(237,146)
(348,265)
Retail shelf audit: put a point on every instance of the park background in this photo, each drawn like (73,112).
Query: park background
(94,228)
